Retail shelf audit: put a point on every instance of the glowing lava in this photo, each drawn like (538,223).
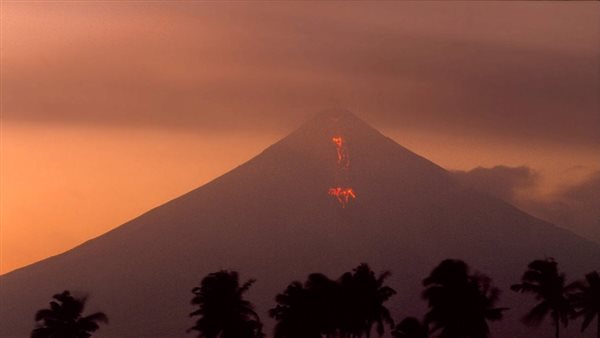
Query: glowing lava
(342,155)
(343,195)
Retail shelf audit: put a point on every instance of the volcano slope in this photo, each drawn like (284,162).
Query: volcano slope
(274,219)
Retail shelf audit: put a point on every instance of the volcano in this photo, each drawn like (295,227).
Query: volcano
(273,219)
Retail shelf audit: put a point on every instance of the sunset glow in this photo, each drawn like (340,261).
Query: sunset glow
(110,109)
(161,157)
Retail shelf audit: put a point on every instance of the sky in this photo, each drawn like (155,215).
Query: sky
(109,109)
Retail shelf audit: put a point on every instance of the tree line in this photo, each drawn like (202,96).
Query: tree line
(461,303)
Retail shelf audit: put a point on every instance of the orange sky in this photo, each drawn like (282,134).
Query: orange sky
(109,109)
(64,185)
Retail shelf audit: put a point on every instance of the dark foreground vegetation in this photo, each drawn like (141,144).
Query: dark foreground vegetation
(461,304)
(64,318)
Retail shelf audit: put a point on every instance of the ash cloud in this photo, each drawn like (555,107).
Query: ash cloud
(576,207)
(500,181)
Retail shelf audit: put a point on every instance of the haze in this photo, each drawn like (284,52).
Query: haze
(110,109)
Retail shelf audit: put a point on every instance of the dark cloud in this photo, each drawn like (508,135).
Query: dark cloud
(576,207)
(586,191)
(500,181)
(500,70)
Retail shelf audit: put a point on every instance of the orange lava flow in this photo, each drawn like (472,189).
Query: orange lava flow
(343,195)
(342,154)
(339,142)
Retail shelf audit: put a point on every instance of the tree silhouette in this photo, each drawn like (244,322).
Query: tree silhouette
(348,307)
(307,310)
(586,300)
(410,327)
(363,298)
(548,286)
(64,319)
(460,304)
(222,309)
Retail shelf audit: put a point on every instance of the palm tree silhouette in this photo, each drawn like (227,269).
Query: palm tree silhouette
(348,307)
(64,319)
(222,309)
(323,295)
(307,310)
(363,298)
(543,280)
(460,304)
(410,327)
(586,300)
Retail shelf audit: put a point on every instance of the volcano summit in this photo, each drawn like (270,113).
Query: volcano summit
(273,219)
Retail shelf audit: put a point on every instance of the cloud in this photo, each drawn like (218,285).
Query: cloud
(585,192)
(500,70)
(500,181)
(576,206)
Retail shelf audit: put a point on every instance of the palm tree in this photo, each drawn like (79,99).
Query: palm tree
(348,307)
(543,280)
(64,319)
(363,297)
(222,309)
(410,327)
(586,300)
(460,304)
(324,303)
(307,310)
